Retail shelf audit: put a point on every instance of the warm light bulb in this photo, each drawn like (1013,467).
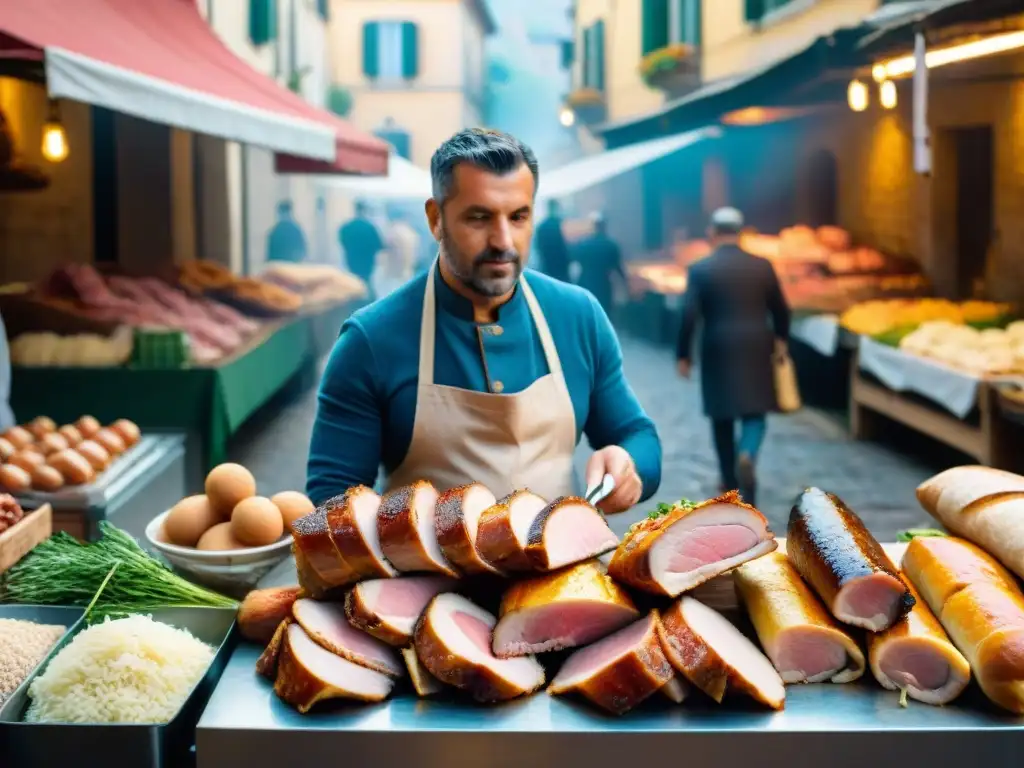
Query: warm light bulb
(857,96)
(567,117)
(887,94)
(972,49)
(878,73)
(55,142)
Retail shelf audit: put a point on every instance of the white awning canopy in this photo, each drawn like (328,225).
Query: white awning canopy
(404,181)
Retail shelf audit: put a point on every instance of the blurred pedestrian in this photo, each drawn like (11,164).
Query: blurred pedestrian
(735,294)
(361,242)
(600,261)
(398,261)
(286,241)
(551,245)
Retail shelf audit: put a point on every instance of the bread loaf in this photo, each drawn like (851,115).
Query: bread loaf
(982,505)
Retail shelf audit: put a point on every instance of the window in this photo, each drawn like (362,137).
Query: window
(262,21)
(593,56)
(670,21)
(758,9)
(323,7)
(390,50)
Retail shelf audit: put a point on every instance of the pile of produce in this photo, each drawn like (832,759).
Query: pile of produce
(987,352)
(42,457)
(23,644)
(316,283)
(230,516)
(90,350)
(251,295)
(900,316)
(11,512)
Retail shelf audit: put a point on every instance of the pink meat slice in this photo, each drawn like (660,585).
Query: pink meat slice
(568,531)
(874,601)
(590,660)
(812,654)
(399,602)
(326,624)
(558,626)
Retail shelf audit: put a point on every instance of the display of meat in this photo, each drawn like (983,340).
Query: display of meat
(225,315)
(504,530)
(915,655)
(619,672)
(352,520)
(312,537)
(389,608)
(453,641)
(457,520)
(266,664)
(715,656)
(848,569)
(560,610)
(408,537)
(568,530)
(980,605)
(982,505)
(803,641)
(424,683)
(326,624)
(676,690)
(308,673)
(688,544)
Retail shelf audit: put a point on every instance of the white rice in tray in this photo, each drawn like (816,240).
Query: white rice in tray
(131,670)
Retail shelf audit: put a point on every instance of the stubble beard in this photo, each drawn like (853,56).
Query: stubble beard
(473,278)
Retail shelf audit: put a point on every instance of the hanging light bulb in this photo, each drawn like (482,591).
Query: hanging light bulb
(55,141)
(567,117)
(857,96)
(878,73)
(887,94)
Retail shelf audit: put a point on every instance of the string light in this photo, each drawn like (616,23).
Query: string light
(55,141)
(567,117)
(887,94)
(857,96)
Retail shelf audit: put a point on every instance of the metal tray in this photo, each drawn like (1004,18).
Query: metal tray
(41,614)
(101,745)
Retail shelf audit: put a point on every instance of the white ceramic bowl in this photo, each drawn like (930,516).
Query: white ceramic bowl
(236,568)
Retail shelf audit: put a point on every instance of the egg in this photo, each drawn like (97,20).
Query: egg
(52,442)
(219,539)
(97,456)
(87,426)
(14,479)
(6,449)
(46,478)
(110,440)
(27,459)
(228,484)
(71,434)
(189,519)
(19,437)
(127,431)
(73,466)
(41,425)
(257,522)
(293,505)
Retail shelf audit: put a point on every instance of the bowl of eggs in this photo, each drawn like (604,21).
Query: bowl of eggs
(229,536)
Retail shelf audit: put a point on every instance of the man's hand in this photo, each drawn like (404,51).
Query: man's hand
(615,461)
(684,368)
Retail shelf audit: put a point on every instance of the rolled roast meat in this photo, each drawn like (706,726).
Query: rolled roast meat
(408,535)
(504,530)
(353,525)
(568,530)
(266,664)
(389,608)
(457,521)
(326,624)
(320,566)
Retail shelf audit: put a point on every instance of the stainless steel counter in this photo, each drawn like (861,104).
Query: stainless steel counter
(846,725)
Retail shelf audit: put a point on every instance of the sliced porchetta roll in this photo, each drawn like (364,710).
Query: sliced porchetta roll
(353,525)
(915,655)
(457,521)
(504,530)
(803,641)
(389,608)
(326,624)
(844,564)
(266,664)
(620,671)
(715,656)
(682,547)
(320,566)
(408,536)
(424,683)
(308,673)
(453,641)
(569,530)
(564,609)
(676,690)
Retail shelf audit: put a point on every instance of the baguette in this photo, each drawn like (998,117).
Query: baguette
(982,505)
(980,605)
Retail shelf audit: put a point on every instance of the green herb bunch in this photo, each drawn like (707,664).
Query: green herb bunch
(663,509)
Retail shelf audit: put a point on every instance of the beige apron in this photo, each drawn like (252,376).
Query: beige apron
(506,442)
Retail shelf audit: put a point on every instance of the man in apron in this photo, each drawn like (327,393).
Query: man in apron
(477,371)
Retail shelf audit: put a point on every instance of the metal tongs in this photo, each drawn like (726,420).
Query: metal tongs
(601,491)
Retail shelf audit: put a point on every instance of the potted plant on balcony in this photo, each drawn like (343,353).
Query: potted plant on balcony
(674,69)
(588,104)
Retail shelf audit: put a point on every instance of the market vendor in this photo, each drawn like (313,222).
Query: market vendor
(476,371)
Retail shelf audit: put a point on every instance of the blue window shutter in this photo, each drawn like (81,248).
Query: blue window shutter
(588,56)
(410,50)
(262,21)
(654,25)
(754,10)
(568,53)
(323,7)
(598,46)
(371,49)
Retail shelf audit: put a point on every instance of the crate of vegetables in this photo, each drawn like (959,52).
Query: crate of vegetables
(21,531)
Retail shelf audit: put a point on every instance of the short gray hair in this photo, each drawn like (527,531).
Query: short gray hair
(493,151)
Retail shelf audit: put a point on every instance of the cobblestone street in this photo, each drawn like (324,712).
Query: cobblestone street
(800,450)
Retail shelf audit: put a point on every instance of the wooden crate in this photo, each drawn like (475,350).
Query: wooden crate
(18,540)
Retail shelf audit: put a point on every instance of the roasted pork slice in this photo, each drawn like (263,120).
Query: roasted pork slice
(388,608)
(848,569)
(916,656)
(504,530)
(312,537)
(457,520)
(564,609)
(681,547)
(353,525)
(266,664)
(715,656)
(676,689)
(327,625)
(424,683)
(567,531)
(405,524)
(453,641)
(308,673)
(803,641)
(619,672)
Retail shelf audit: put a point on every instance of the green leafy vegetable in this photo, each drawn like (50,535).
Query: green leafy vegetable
(663,509)
(919,533)
(115,572)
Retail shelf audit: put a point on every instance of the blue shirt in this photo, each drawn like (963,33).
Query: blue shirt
(367,398)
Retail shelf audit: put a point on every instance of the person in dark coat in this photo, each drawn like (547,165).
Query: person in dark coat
(361,242)
(600,259)
(739,299)
(551,245)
